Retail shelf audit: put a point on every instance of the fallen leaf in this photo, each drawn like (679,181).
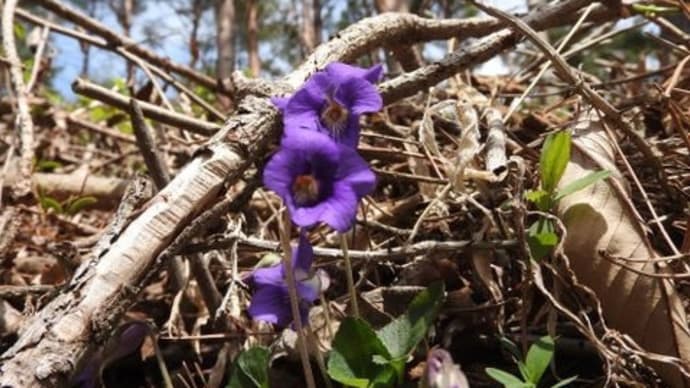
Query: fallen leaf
(601,218)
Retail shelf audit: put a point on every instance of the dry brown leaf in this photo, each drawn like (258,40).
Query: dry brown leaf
(601,218)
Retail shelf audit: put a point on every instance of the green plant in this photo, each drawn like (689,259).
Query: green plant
(70,206)
(250,369)
(555,154)
(363,357)
(532,368)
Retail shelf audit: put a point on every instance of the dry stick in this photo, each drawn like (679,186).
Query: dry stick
(86,38)
(5,169)
(495,142)
(9,224)
(59,335)
(88,89)
(284,231)
(396,254)
(23,123)
(144,137)
(108,190)
(45,32)
(11,292)
(668,43)
(667,26)
(116,40)
(100,129)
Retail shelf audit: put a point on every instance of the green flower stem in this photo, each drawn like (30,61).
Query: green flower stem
(285,227)
(314,344)
(350,278)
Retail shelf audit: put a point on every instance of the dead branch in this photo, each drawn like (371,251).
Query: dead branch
(152,158)
(71,120)
(23,122)
(151,111)
(396,254)
(106,190)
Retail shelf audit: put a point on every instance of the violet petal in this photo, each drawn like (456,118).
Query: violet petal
(271,304)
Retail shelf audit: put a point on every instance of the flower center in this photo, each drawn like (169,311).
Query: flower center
(305,188)
(334,115)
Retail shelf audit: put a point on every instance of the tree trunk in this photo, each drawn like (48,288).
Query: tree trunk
(85,47)
(197,11)
(252,39)
(398,57)
(123,11)
(311,25)
(225,38)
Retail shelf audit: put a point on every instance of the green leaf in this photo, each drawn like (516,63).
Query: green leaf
(125,127)
(539,357)
(524,371)
(508,380)
(652,10)
(250,370)
(555,155)
(80,203)
(579,184)
(565,382)
(355,348)
(540,198)
(403,334)
(19,31)
(51,203)
(541,238)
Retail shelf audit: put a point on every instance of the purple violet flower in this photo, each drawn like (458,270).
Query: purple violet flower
(442,372)
(319,180)
(332,100)
(271,300)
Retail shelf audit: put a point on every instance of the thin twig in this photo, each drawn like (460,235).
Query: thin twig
(152,158)
(393,254)
(11,292)
(38,57)
(71,119)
